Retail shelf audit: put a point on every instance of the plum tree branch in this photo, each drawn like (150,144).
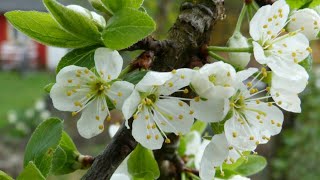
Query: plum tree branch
(182,48)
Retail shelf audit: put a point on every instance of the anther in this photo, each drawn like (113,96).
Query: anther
(174,71)
(186,91)
(167,141)
(180,103)
(69,80)
(234,134)
(97,118)
(170,84)
(180,117)
(197,99)
(148,136)
(119,94)
(101,127)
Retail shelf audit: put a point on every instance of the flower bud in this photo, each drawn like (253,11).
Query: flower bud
(98,19)
(307,21)
(239,60)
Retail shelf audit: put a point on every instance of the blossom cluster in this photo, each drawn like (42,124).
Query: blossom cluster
(162,102)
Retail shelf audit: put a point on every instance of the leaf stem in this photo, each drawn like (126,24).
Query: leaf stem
(125,71)
(193,176)
(217,57)
(240,19)
(229,49)
(255,5)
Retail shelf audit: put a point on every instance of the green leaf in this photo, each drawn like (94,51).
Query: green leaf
(227,173)
(253,165)
(126,28)
(43,143)
(43,28)
(71,157)
(48,87)
(58,161)
(307,63)
(135,77)
(297,4)
(116,5)
(73,22)
(4,176)
(141,164)
(314,3)
(31,172)
(199,126)
(83,57)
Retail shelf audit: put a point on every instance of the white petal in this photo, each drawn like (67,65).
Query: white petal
(212,110)
(259,54)
(238,177)
(234,155)
(108,63)
(214,155)
(74,76)
(152,79)
(150,138)
(121,172)
(224,74)
(130,105)
(63,102)
(181,78)
(306,19)
(180,120)
(288,70)
(113,129)
(193,143)
(269,19)
(293,48)
(261,17)
(270,121)
(296,85)
(98,19)
(206,89)
(238,134)
(91,122)
(287,100)
(80,10)
(201,84)
(199,154)
(245,74)
(119,92)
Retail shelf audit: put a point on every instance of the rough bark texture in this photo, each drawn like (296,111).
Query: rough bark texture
(183,48)
(106,163)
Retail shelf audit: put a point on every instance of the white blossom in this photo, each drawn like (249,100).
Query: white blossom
(155,112)
(253,120)
(78,88)
(307,20)
(280,52)
(214,85)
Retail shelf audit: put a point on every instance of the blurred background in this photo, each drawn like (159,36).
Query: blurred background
(26,67)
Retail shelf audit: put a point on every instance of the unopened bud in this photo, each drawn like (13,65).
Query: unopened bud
(239,60)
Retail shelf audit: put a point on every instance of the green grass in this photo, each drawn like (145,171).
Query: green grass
(21,91)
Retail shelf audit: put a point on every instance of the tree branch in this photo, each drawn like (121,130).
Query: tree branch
(104,165)
(183,48)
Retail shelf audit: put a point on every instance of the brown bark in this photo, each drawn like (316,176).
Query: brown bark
(182,48)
